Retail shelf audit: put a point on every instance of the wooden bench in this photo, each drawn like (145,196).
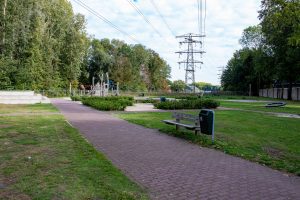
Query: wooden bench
(194,125)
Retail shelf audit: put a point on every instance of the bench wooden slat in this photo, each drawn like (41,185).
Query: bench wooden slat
(184,116)
(187,126)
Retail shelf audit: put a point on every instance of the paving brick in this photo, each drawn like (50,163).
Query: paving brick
(171,168)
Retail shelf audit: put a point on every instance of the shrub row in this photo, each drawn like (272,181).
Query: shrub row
(187,104)
(108,103)
(76,98)
(147,101)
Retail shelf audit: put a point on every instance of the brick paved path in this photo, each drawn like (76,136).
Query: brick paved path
(171,168)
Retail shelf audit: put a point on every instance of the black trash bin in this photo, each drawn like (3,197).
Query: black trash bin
(207,118)
(163,99)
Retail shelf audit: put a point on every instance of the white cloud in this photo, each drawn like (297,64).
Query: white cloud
(225,22)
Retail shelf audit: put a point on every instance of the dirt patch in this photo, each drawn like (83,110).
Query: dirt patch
(141,107)
(296,116)
(2,186)
(5,126)
(273,152)
(13,195)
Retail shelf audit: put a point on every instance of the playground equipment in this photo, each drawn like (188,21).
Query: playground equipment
(104,87)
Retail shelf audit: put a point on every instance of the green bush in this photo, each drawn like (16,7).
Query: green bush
(76,98)
(187,104)
(147,101)
(108,103)
(191,97)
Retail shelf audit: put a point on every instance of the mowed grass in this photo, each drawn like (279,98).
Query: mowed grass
(31,108)
(292,107)
(43,157)
(259,137)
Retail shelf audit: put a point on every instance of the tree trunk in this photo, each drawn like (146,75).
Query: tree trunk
(290,91)
(3,27)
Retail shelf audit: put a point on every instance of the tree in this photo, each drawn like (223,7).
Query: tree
(251,65)
(280,21)
(178,86)
(159,71)
(45,46)
(252,37)
(44,39)
(204,86)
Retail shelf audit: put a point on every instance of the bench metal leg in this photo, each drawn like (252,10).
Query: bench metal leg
(177,126)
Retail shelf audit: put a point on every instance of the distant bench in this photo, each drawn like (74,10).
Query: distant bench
(203,123)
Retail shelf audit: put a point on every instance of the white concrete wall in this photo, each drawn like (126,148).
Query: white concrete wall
(278,93)
(21,97)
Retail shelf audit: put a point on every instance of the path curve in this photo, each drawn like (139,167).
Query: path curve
(171,168)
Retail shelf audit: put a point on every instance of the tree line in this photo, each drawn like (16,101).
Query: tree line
(180,86)
(44,45)
(270,54)
(134,67)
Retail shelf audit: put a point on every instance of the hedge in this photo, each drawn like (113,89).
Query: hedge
(76,98)
(187,104)
(108,103)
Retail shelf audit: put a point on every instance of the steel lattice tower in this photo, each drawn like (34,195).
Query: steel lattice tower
(191,40)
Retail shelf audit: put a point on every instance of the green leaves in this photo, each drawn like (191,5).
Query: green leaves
(271,50)
(136,68)
(45,40)
(49,47)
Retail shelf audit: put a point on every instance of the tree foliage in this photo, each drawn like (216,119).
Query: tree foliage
(207,86)
(280,20)
(44,41)
(134,67)
(178,86)
(44,45)
(271,50)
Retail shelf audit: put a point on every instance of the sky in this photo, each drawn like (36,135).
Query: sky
(224,24)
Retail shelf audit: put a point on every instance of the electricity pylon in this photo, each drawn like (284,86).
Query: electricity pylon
(190,63)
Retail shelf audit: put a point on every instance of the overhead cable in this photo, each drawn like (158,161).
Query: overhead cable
(144,17)
(97,14)
(162,17)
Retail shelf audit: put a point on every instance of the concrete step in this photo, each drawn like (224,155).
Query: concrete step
(17,93)
(21,97)
(23,101)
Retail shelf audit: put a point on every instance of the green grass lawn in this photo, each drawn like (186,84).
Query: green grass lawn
(31,108)
(43,157)
(292,107)
(259,137)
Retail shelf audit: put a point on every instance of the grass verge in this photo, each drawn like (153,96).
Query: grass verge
(258,137)
(30,108)
(42,157)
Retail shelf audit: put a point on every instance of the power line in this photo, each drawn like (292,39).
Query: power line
(199,3)
(204,21)
(161,16)
(95,13)
(144,17)
(202,8)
